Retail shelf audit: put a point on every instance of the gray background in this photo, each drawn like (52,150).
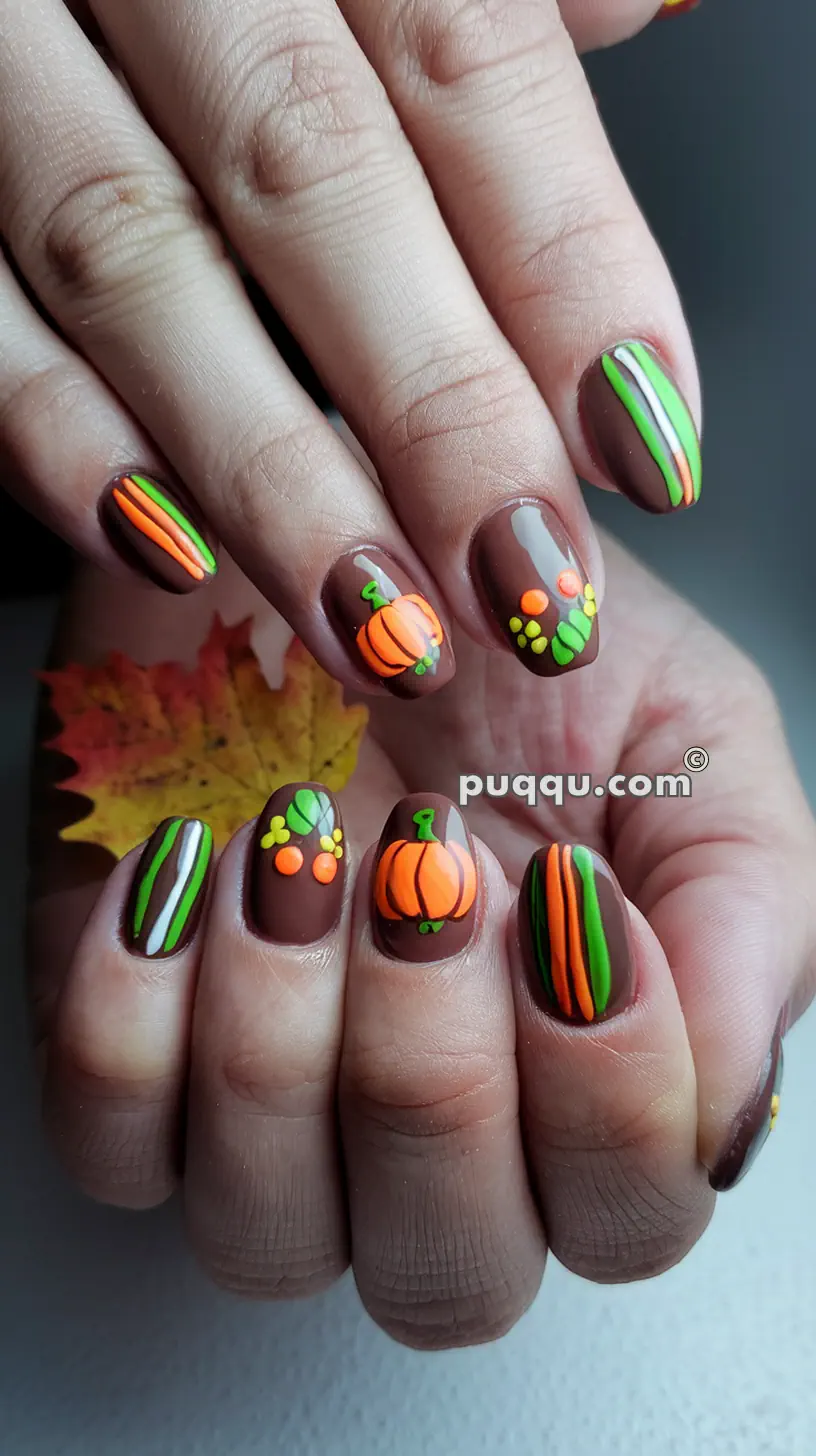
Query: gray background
(112,1344)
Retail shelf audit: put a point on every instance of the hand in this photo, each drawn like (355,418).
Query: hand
(418,1103)
(426,195)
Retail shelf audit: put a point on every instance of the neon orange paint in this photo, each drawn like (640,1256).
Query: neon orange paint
(579,975)
(557,929)
(324,868)
(155,533)
(534,602)
(569,583)
(161,517)
(288,860)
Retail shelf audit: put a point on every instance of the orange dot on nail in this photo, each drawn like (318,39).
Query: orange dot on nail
(324,868)
(534,602)
(288,860)
(569,583)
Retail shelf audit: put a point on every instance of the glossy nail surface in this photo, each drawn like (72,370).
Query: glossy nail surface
(755,1123)
(574,934)
(153,530)
(298,864)
(169,888)
(533,586)
(389,627)
(425,881)
(639,430)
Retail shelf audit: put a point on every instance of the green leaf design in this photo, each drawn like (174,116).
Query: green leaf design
(309,811)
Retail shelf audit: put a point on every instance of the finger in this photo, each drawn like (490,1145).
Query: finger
(263,1190)
(118,246)
(66,444)
(500,115)
(297,148)
(725,879)
(447,1249)
(118,1054)
(596,23)
(608,1091)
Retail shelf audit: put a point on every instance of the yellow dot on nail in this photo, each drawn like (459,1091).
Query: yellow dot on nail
(590,609)
(337,835)
(522,640)
(540,645)
(327,843)
(282,835)
(774,1110)
(589,591)
(532,629)
(338,851)
(515,624)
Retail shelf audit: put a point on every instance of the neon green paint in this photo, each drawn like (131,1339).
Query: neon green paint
(570,637)
(652,438)
(186,525)
(600,972)
(582,624)
(146,887)
(538,925)
(561,653)
(676,409)
(191,893)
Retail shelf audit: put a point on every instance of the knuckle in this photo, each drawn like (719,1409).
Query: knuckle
(401,1099)
(297,112)
(587,252)
(265,1084)
(274,476)
(110,234)
(448,44)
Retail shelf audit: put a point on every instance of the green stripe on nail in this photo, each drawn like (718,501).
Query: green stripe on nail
(600,972)
(146,886)
(539,928)
(181,520)
(191,893)
(676,409)
(651,436)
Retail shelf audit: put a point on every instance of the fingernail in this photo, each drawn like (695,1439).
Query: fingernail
(754,1124)
(169,888)
(574,934)
(152,529)
(534,588)
(425,881)
(639,430)
(391,629)
(298,866)
(676,7)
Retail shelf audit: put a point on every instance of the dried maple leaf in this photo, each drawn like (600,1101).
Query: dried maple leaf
(213,743)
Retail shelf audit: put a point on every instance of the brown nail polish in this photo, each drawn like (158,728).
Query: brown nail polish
(755,1123)
(425,881)
(169,888)
(574,934)
(298,866)
(153,530)
(639,429)
(391,629)
(534,587)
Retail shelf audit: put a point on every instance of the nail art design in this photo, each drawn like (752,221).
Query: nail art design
(639,429)
(574,933)
(396,632)
(425,881)
(152,531)
(676,7)
(298,861)
(168,891)
(755,1124)
(531,581)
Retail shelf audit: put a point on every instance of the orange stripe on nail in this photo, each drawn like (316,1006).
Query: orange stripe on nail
(684,472)
(154,533)
(557,931)
(161,517)
(580,979)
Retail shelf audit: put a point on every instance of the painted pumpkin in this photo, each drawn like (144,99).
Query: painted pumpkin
(405,633)
(424,879)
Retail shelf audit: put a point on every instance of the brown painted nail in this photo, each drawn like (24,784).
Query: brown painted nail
(169,888)
(425,881)
(676,7)
(390,627)
(534,587)
(639,429)
(574,934)
(754,1124)
(298,866)
(153,529)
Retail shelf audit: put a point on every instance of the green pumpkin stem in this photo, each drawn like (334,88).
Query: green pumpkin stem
(424,819)
(371,593)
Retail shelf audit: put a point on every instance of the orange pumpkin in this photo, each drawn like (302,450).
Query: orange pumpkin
(424,879)
(405,633)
